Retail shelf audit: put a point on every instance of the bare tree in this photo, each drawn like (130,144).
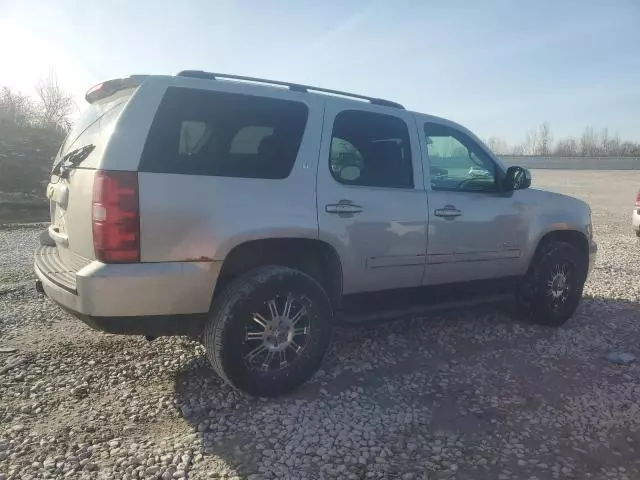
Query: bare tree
(630,149)
(609,145)
(16,108)
(531,143)
(55,104)
(498,145)
(540,141)
(589,142)
(545,139)
(567,147)
(518,149)
(613,146)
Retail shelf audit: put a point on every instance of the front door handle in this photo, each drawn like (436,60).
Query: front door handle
(449,212)
(343,208)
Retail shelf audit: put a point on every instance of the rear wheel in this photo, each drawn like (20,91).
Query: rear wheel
(551,291)
(269,331)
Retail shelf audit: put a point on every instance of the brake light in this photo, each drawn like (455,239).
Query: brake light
(108,88)
(116,217)
(638,199)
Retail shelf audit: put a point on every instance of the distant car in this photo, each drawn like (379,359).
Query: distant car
(635,216)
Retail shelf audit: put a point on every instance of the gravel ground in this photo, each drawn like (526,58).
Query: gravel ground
(472,394)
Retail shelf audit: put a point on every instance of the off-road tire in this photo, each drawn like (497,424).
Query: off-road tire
(225,334)
(533,295)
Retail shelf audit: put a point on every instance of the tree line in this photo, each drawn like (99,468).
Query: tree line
(51,107)
(591,143)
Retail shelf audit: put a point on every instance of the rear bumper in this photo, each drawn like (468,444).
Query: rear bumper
(132,298)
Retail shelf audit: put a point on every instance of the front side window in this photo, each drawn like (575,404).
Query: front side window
(456,162)
(371,149)
(202,132)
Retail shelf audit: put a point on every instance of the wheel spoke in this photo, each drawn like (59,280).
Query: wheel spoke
(300,331)
(273,309)
(295,347)
(268,359)
(254,336)
(282,358)
(255,352)
(270,334)
(287,307)
(259,319)
(296,318)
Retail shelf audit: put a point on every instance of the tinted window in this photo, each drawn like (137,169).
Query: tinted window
(457,162)
(248,139)
(200,132)
(95,120)
(192,135)
(371,149)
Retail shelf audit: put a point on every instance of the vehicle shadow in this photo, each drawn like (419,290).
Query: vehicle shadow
(389,397)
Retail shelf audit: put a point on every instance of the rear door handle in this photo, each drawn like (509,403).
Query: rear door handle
(343,208)
(449,212)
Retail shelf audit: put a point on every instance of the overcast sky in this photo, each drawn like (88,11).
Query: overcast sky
(498,67)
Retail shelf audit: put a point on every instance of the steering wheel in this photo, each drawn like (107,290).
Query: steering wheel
(464,183)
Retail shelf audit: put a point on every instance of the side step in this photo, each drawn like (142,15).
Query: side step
(389,315)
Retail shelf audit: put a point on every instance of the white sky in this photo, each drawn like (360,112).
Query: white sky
(499,67)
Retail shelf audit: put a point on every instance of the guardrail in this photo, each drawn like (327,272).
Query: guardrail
(573,163)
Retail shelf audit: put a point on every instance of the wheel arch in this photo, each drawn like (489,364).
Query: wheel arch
(573,237)
(316,258)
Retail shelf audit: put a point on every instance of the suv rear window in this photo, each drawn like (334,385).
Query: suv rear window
(201,132)
(96,121)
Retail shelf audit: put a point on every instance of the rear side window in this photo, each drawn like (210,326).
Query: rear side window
(201,132)
(371,149)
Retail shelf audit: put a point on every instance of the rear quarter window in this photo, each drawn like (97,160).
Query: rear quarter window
(94,126)
(201,132)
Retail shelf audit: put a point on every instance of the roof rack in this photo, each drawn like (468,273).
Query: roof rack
(292,86)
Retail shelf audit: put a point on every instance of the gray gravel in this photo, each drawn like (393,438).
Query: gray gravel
(472,394)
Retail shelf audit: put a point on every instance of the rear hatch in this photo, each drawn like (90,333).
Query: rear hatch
(70,190)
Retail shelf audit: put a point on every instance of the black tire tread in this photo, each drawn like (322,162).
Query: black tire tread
(543,257)
(233,293)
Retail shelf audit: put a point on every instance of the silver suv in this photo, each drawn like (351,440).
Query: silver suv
(253,214)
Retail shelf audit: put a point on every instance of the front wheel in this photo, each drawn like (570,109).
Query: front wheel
(269,331)
(552,288)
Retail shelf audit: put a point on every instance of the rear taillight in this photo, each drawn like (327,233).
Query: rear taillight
(116,217)
(638,199)
(108,88)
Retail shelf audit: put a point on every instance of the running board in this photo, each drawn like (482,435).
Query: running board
(418,310)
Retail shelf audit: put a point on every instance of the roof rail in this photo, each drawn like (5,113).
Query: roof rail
(292,86)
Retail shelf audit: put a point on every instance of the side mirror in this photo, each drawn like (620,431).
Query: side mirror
(517,178)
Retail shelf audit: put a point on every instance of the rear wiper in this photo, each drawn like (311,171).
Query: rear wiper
(72,159)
